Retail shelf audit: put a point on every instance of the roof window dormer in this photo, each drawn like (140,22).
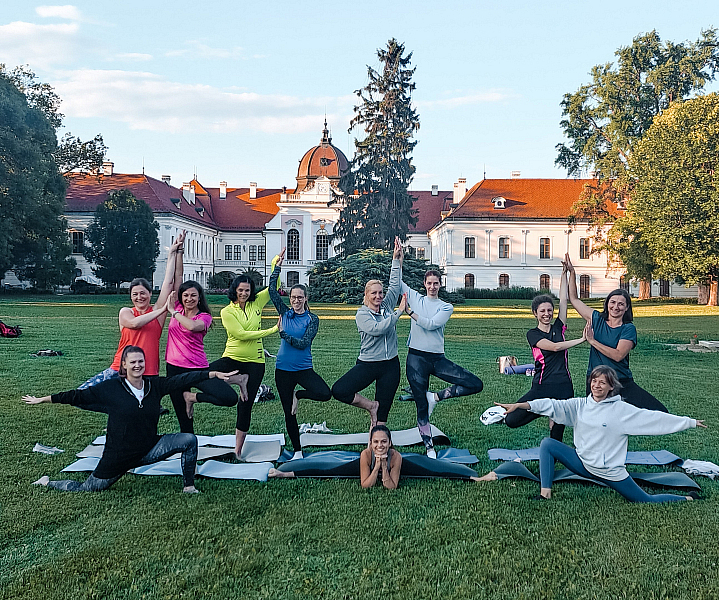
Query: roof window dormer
(499,202)
(200,211)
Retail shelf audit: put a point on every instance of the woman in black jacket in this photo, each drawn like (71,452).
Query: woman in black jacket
(133,408)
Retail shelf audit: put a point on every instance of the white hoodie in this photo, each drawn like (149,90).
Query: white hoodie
(601,429)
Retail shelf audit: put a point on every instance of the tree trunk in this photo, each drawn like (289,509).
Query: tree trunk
(713,292)
(702,293)
(645,289)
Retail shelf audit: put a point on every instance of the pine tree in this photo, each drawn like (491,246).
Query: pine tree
(378,206)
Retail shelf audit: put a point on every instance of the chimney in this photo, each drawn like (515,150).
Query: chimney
(223,190)
(166,179)
(460,189)
(253,190)
(435,190)
(107,167)
(188,193)
(516,174)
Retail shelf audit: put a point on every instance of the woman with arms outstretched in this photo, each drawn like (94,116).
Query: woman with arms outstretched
(132,403)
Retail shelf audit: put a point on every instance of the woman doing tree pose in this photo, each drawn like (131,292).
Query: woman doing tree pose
(612,336)
(551,366)
(426,356)
(244,352)
(132,403)
(142,324)
(602,424)
(378,361)
(298,327)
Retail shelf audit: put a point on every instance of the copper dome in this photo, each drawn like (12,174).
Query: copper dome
(323,160)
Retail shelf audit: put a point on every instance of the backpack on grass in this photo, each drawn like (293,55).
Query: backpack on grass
(9,331)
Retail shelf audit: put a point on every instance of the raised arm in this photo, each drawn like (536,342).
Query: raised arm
(273,287)
(263,297)
(578,305)
(394,289)
(168,281)
(563,295)
(179,266)
(306,339)
(641,421)
(564,412)
(88,399)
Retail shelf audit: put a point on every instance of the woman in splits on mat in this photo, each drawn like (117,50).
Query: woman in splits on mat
(602,424)
(378,361)
(142,324)
(190,319)
(551,366)
(298,327)
(612,336)
(132,403)
(426,356)
(380,461)
(244,351)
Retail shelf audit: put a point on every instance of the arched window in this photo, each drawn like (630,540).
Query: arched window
(322,245)
(293,245)
(504,247)
(544,282)
(469,281)
(504,280)
(293,278)
(624,283)
(584,286)
(469,247)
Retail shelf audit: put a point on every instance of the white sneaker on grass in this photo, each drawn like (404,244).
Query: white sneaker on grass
(297,455)
(431,453)
(432,400)
(44,480)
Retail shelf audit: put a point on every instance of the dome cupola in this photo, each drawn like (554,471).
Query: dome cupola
(324,160)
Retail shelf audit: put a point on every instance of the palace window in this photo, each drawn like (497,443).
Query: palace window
(469,247)
(293,278)
(261,253)
(293,245)
(78,241)
(584,286)
(544,282)
(228,252)
(544,248)
(469,281)
(504,280)
(504,247)
(584,248)
(420,252)
(322,245)
(238,252)
(253,253)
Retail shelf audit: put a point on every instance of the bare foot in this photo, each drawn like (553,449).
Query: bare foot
(374,408)
(276,473)
(241,380)
(295,402)
(44,480)
(190,489)
(190,399)
(491,476)
(239,442)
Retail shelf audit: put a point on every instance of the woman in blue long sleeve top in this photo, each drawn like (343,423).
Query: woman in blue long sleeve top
(298,327)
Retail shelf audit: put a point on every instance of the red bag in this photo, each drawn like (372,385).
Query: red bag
(9,331)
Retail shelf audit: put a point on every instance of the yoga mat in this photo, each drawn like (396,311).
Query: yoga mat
(653,457)
(84,464)
(254,452)
(221,470)
(164,467)
(404,437)
(514,469)
(517,369)
(455,455)
(223,441)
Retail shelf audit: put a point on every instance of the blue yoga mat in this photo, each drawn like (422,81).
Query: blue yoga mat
(652,457)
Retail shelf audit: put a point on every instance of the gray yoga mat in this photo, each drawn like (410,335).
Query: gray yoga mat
(455,455)
(653,457)
(668,479)
(254,452)
(84,464)
(221,470)
(222,441)
(403,437)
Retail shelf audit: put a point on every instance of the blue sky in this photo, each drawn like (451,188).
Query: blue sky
(237,91)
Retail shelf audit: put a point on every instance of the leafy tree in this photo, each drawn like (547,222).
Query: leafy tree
(343,279)
(123,239)
(378,206)
(675,201)
(221,280)
(33,233)
(605,119)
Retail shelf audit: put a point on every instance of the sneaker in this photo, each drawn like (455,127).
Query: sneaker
(44,480)
(694,495)
(432,401)
(431,453)
(297,455)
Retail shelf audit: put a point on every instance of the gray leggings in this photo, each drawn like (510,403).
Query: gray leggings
(551,449)
(167,446)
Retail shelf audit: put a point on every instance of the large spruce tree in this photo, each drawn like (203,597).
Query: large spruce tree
(377,204)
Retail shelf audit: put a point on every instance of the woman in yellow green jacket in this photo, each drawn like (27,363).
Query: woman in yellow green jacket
(244,352)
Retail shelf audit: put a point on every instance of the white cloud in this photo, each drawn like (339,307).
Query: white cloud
(199,49)
(66,11)
(40,46)
(150,102)
(138,56)
(491,96)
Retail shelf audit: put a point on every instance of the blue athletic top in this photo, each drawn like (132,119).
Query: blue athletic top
(610,336)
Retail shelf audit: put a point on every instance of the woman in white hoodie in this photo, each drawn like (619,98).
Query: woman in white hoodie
(602,423)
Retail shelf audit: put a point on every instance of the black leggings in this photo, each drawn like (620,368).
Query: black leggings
(315,389)
(255,371)
(420,365)
(167,446)
(635,395)
(559,391)
(385,374)
(214,391)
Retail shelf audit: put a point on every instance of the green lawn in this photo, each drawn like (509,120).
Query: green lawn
(331,539)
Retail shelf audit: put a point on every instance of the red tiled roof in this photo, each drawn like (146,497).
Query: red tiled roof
(429,209)
(525,199)
(239,212)
(86,192)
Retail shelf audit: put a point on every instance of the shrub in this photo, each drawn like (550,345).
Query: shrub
(510,293)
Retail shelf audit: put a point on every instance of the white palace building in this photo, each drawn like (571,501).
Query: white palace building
(501,232)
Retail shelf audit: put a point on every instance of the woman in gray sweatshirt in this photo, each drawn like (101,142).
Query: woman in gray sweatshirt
(378,362)
(602,424)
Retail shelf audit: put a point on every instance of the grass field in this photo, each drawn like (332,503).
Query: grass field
(331,539)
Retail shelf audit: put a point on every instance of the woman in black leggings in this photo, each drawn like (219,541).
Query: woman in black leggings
(551,369)
(378,361)
(298,327)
